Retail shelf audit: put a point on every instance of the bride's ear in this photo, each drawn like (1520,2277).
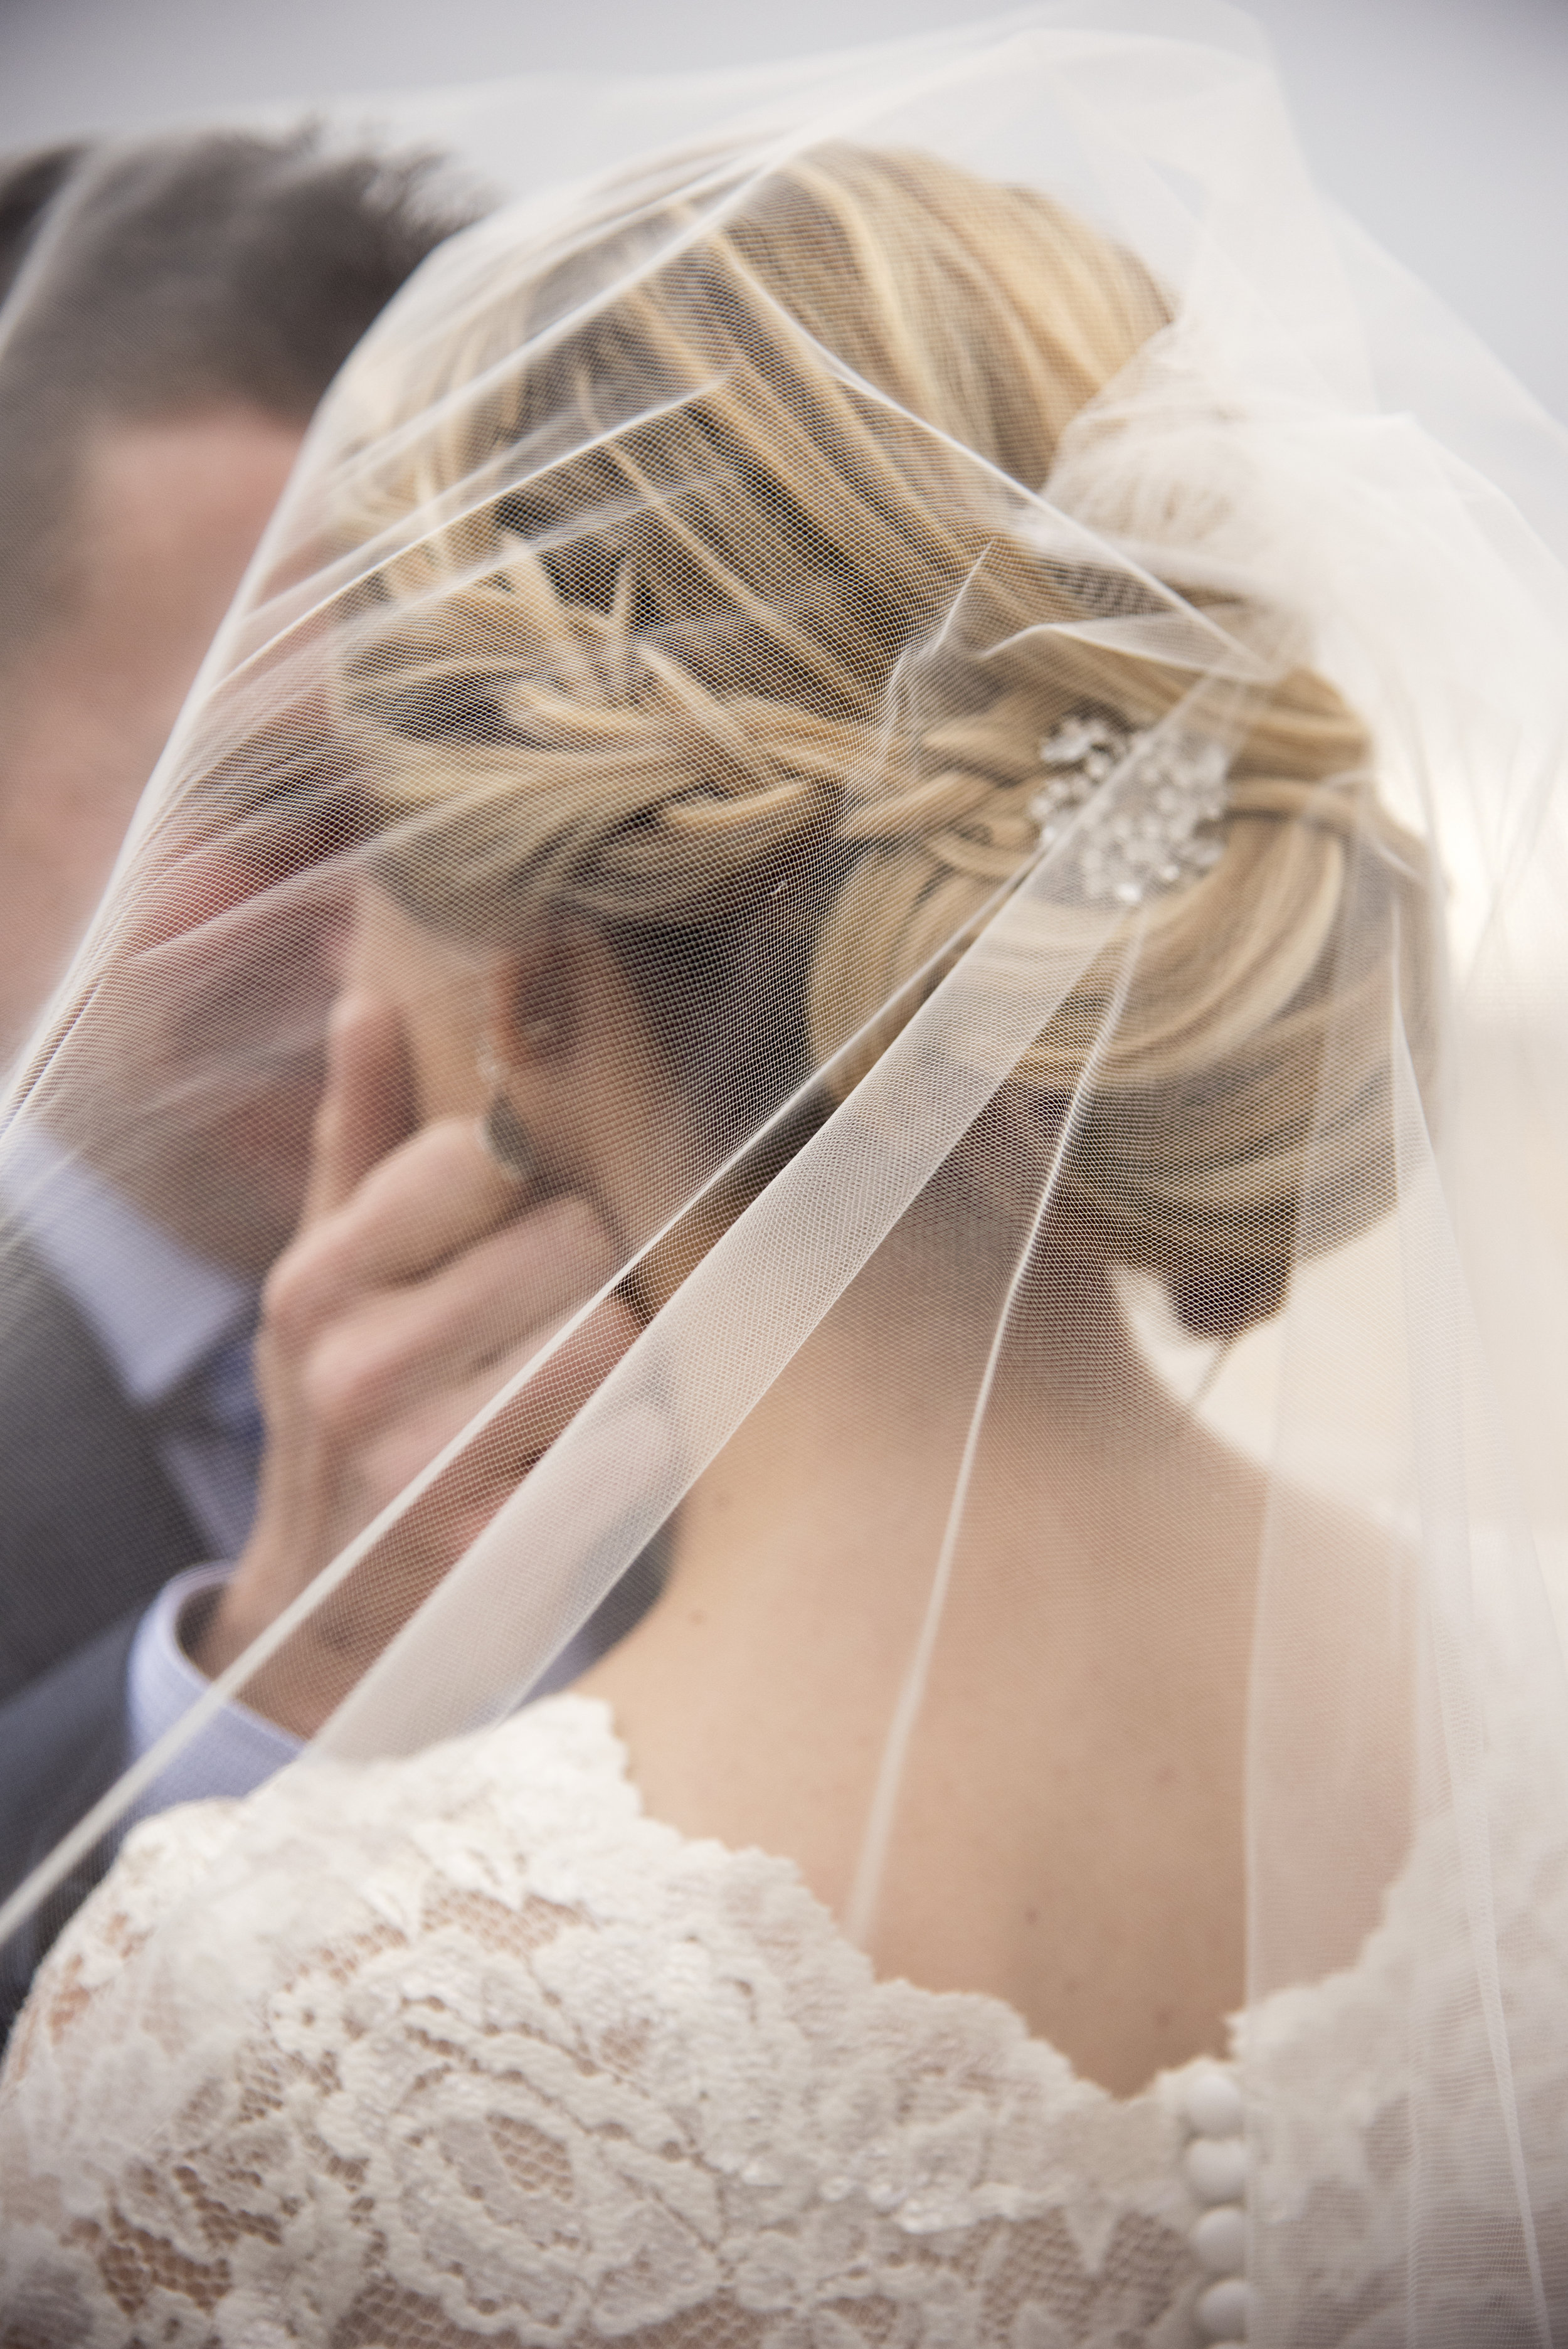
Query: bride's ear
(570,1051)
(534,1009)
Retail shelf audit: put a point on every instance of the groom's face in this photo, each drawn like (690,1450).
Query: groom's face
(202,1059)
(163,517)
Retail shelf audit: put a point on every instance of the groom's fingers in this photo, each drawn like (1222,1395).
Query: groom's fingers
(339,1640)
(434,1197)
(415,1349)
(367,1105)
(404,1443)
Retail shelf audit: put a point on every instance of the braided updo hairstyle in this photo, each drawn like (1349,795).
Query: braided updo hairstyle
(668,538)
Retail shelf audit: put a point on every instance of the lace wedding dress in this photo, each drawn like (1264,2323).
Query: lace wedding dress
(516,2063)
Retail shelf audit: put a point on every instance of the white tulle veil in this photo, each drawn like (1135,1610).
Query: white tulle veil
(1265,1009)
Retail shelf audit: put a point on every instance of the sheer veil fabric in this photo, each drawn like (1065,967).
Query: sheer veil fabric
(919,631)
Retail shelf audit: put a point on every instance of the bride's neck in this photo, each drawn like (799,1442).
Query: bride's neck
(1081,1727)
(851,1458)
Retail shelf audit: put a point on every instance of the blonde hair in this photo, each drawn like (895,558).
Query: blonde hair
(655,653)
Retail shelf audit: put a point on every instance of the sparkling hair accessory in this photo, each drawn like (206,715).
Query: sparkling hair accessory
(1158,833)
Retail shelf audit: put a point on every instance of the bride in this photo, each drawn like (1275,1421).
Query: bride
(1077,1850)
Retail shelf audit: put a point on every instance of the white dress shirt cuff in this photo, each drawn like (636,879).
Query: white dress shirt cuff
(236,1752)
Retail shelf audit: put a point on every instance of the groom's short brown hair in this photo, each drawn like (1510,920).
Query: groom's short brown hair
(165,276)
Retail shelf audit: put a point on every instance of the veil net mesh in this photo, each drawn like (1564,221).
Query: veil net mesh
(1046,792)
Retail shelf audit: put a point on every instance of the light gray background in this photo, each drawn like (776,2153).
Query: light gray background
(1442,124)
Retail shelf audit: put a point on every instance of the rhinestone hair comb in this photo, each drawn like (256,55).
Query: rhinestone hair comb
(1159,832)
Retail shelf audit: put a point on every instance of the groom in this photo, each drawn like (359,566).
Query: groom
(129,1432)
(174,311)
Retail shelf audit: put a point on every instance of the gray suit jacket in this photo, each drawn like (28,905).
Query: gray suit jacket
(62,1744)
(90,1525)
(90,1529)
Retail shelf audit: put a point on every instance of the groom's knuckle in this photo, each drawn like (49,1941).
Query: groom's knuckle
(292,1297)
(346,1386)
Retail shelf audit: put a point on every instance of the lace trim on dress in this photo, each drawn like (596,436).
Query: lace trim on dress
(550,2073)
(466,2049)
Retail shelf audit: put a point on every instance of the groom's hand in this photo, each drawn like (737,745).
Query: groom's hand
(420,1282)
